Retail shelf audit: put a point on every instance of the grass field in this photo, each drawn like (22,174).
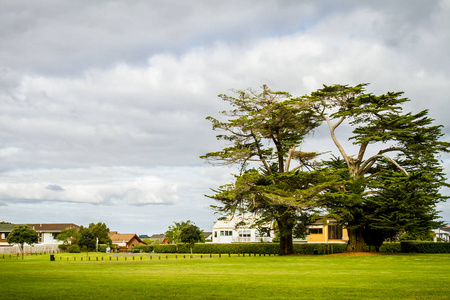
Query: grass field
(413,276)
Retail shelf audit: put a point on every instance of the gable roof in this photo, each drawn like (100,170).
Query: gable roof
(123,237)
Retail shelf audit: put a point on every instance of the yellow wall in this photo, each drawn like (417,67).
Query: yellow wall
(323,237)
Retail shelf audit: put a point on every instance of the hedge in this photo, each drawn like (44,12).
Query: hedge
(250,248)
(424,247)
(142,248)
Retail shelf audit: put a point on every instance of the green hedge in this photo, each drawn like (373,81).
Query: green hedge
(250,248)
(142,248)
(424,247)
(390,248)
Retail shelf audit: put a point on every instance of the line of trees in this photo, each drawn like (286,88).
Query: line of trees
(391,185)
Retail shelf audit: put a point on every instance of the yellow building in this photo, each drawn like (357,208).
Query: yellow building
(326,232)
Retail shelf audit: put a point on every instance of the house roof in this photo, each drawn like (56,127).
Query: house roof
(123,237)
(52,227)
(158,236)
(6,227)
(41,227)
(231,222)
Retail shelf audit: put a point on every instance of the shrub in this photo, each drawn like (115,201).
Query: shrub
(102,247)
(250,248)
(424,247)
(142,248)
(73,249)
(62,247)
(390,248)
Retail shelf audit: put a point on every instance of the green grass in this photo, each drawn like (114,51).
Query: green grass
(413,276)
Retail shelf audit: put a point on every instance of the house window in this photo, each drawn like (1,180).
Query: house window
(245,233)
(226,233)
(334,232)
(315,230)
(215,234)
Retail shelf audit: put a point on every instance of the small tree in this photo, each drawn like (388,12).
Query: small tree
(22,234)
(101,232)
(174,232)
(191,234)
(86,239)
(68,236)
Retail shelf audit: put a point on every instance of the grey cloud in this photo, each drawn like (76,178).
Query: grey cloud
(54,187)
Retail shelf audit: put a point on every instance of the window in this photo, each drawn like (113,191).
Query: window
(245,233)
(215,234)
(226,233)
(334,232)
(315,230)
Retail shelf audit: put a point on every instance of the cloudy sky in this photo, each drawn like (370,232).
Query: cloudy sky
(103,103)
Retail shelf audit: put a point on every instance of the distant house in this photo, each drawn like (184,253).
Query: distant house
(47,232)
(326,232)
(125,241)
(443,234)
(238,229)
(207,235)
(5,229)
(159,238)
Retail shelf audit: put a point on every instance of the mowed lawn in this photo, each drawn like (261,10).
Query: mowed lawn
(401,276)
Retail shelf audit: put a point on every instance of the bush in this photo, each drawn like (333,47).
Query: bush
(390,248)
(424,247)
(142,248)
(250,248)
(73,249)
(102,247)
(62,247)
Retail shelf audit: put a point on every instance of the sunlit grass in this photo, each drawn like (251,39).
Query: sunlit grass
(309,277)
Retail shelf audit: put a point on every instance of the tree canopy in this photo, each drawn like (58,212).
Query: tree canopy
(264,131)
(397,185)
(390,185)
(191,234)
(22,234)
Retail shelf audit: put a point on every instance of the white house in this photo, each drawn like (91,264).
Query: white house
(226,231)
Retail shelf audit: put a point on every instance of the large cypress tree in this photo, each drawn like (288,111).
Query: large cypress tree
(264,130)
(394,178)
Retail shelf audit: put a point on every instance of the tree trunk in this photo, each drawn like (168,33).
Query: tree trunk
(356,241)
(285,225)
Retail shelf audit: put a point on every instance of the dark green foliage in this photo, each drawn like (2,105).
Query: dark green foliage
(22,234)
(424,247)
(102,247)
(265,129)
(395,189)
(100,231)
(390,248)
(142,248)
(86,239)
(174,232)
(191,234)
(250,248)
(73,249)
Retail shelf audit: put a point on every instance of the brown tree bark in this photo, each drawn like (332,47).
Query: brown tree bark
(356,241)
(285,226)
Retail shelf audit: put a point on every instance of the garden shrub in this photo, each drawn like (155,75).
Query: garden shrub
(250,248)
(424,247)
(390,248)
(102,247)
(142,248)
(62,247)
(73,249)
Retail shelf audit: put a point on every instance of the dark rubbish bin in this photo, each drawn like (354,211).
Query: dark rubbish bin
(316,251)
(52,257)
